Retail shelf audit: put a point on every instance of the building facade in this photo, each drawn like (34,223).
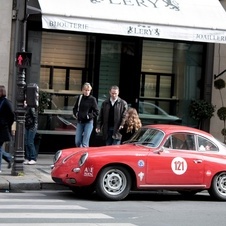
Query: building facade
(216,125)
(5,43)
(157,76)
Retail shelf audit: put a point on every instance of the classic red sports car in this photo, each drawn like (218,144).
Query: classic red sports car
(157,157)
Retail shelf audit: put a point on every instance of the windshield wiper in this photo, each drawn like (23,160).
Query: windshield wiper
(143,143)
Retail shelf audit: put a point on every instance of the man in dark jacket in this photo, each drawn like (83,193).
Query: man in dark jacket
(112,117)
(6,120)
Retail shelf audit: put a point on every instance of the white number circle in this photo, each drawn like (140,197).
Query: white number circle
(179,165)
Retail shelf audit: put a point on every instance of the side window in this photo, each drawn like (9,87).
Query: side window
(206,145)
(177,141)
(190,140)
(181,141)
(168,143)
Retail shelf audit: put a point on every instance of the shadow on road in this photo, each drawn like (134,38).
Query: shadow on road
(156,196)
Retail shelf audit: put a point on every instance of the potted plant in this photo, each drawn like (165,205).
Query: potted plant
(44,101)
(200,110)
(221,112)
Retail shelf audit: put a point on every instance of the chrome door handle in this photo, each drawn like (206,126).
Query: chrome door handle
(197,161)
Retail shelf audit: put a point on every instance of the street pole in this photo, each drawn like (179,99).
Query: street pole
(23,8)
(17,168)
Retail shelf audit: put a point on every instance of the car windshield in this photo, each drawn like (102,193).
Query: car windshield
(146,136)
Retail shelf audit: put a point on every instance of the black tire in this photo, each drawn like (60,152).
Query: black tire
(218,187)
(113,183)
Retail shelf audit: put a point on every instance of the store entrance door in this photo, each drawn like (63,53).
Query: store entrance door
(119,65)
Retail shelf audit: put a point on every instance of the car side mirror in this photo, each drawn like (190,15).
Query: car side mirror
(160,150)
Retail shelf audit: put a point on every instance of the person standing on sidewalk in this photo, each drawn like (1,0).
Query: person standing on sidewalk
(31,125)
(6,120)
(112,117)
(85,110)
(132,124)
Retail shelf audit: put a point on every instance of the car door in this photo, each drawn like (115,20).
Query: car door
(175,165)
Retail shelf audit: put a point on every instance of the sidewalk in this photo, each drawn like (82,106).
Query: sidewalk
(36,177)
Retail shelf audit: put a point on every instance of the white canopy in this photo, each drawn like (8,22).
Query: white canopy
(190,20)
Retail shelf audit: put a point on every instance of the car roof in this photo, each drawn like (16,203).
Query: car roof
(168,128)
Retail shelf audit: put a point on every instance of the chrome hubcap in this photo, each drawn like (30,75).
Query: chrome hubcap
(114,182)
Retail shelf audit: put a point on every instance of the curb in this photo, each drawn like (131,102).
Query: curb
(29,185)
(35,177)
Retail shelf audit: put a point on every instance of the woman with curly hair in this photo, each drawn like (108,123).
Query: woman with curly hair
(132,124)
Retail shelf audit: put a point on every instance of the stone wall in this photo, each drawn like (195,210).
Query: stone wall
(5,40)
(216,125)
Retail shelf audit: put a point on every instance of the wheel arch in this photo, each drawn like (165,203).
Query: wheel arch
(213,176)
(130,170)
(218,190)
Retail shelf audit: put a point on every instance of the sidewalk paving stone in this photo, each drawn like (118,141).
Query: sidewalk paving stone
(36,177)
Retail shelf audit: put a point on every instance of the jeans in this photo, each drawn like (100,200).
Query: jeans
(4,155)
(30,152)
(83,133)
(110,140)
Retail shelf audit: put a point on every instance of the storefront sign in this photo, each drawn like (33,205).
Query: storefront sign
(201,21)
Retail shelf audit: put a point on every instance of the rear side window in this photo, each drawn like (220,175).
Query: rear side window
(206,145)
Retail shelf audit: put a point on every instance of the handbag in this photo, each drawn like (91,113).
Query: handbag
(76,112)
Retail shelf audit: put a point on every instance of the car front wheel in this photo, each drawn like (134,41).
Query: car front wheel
(218,187)
(113,183)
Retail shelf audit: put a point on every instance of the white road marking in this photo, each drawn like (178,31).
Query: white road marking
(41,207)
(55,216)
(32,200)
(24,207)
(70,224)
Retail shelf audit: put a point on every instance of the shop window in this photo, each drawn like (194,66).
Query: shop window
(62,69)
(157,103)
(171,76)
(156,97)
(156,85)
(157,56)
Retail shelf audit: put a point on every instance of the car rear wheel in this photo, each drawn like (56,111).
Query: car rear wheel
(218,187)
(113,183)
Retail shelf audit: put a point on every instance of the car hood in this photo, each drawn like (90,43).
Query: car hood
(107,150)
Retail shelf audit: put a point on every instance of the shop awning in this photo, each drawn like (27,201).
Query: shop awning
(190,20)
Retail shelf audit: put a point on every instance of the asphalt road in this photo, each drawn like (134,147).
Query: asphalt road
(63,208)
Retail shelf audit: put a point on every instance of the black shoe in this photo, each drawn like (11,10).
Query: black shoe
(9,165)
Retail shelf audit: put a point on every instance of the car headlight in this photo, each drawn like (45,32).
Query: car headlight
(82,159)
(57,156)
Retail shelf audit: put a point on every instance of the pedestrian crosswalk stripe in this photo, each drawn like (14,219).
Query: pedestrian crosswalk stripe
(32,200)
(6,194)
(41,207)
(55,216)
(32,208)
(69,224)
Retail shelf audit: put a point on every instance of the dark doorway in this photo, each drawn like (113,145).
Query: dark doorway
(120,62)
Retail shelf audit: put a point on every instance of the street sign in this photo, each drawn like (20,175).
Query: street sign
(23,59)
